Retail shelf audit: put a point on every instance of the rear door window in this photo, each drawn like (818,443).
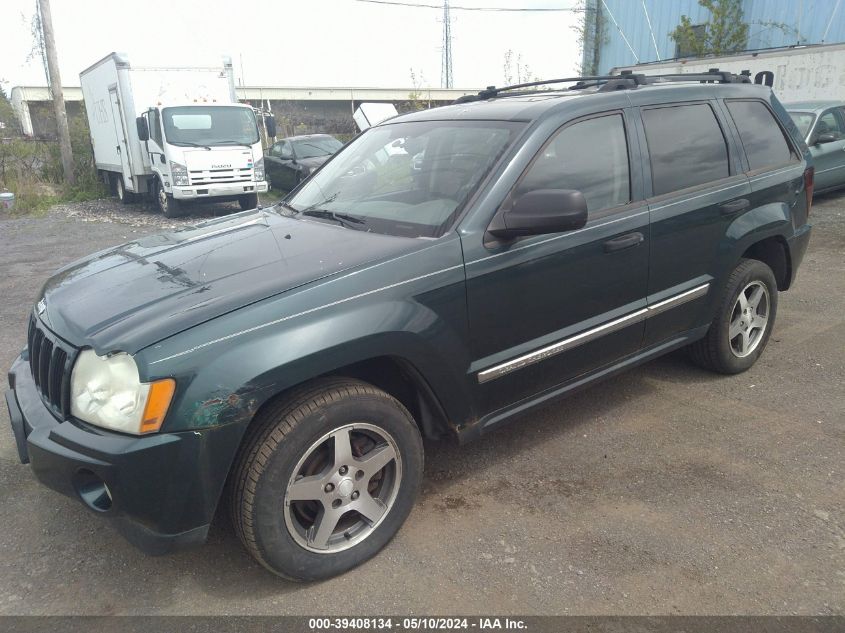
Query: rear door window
(686,147)
(590,156)
(762,137)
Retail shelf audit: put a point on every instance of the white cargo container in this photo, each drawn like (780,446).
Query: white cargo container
(176,133)
(795,73)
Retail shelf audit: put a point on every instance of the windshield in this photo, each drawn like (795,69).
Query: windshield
(315,147)
(210,125)
(804,121)
(408,179)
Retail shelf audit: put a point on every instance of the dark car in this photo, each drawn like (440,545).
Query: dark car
(822,125)
(291,160)
(446,272)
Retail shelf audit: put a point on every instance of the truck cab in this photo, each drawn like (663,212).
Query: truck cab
(178,134)
(202,150)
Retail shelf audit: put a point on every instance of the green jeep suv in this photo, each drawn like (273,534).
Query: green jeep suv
(445,272)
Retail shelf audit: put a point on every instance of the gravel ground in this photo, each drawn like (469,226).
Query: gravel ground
(666,490)
(145,214)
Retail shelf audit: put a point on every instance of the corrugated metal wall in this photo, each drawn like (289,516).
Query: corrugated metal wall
(771,23)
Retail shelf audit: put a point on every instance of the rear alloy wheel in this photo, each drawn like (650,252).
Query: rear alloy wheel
(749,319)
(743,322)
(167,204)
(326,480)
(124,196)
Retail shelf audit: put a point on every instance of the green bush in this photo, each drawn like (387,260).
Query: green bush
(32,170)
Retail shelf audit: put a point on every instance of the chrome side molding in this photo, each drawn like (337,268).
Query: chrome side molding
(497,371)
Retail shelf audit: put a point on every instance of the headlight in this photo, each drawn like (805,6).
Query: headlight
(106,391)
(258,170)
(179,174)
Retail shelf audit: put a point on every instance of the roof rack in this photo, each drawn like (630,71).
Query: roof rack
(625,80)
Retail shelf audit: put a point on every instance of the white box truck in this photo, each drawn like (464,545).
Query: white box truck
(795,73)
(178,134)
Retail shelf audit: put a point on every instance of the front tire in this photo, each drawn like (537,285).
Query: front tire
(169,206)
(743,323)
(248,201)
(326,479)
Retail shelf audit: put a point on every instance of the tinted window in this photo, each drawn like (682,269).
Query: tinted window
(590,156)
(686,147)
(761,136)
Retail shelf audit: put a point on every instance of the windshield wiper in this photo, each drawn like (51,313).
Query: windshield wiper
(233,143)
(341,218)
(189,144)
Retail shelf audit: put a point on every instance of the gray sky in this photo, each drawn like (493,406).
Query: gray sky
(303,43)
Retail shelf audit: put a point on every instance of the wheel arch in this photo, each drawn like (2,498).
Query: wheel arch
(774,252)
(761,234)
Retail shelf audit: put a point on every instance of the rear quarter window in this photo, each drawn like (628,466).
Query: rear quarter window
(763,139)
(686,147)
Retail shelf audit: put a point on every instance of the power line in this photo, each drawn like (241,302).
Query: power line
(419,5)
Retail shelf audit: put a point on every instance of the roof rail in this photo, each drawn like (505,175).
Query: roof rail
(625,80)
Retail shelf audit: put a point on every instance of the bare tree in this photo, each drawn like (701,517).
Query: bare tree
(55,83)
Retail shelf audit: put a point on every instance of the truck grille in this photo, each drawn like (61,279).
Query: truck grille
(50,361)
(220,176)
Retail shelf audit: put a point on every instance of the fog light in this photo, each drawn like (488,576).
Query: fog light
(93,491)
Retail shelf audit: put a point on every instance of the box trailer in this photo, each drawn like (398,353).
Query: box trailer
(178,134)
(795,73)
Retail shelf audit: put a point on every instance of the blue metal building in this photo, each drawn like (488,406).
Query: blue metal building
(627,39)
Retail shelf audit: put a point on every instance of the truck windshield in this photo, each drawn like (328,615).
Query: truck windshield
(209,125)
(409,179)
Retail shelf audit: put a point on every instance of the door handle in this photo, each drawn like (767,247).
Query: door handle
(734,206)
(625,241)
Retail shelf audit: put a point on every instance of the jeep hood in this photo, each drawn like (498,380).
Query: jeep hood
(136,294)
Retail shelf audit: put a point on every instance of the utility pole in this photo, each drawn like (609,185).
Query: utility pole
(55,83)
(446,62)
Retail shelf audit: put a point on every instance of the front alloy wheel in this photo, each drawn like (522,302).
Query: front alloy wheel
(325,478)
(358,470)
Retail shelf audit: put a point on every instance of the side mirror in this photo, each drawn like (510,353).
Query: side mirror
(825,137)
(270,123)
(540,212)
(143,129)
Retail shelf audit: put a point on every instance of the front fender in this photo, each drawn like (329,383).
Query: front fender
(412,307)
(236,380)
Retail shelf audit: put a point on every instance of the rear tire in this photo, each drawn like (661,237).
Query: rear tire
(167,204)
(248,201)
(743,322)
(295,493)
(124,196)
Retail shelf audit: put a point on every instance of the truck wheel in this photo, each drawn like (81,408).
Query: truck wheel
(326,479)
(167,204)
(249,201)
(124,196)
(743,322)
